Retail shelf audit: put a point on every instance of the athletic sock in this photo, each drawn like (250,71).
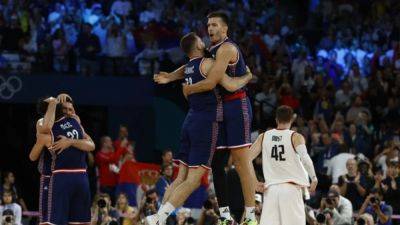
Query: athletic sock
(165,211)
(250,213)
(225,212)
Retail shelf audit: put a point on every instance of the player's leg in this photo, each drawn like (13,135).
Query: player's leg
(238,121)
(182,174)
(270,210)
(79,211)
(179,196)
(59,193)
(43,199)
(219,162)
(291,205)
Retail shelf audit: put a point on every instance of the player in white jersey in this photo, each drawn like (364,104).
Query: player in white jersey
(287,168)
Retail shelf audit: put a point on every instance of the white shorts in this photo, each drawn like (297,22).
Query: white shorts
(283,205)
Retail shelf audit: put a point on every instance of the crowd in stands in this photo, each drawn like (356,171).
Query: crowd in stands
(339,69)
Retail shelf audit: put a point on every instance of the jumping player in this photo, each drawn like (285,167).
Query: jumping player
(286,164)
(235,129)
(199,131)
(49,161)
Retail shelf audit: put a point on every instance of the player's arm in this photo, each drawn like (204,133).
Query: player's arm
(165,78)
(256,147)
(49,116)
(224,54)
(299,145)
(42,140)
(81,144)
(231,84)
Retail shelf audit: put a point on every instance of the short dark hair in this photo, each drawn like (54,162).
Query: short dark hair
(150,192)
(284,114)
(220,14)
(165,151)
(187,42)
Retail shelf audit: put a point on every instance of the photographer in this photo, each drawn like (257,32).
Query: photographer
(102,212)
(10,212)
(336,208)
(149,204)
(380,211)
(208,215)
(365,219)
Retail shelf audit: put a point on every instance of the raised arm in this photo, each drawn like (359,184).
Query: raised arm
(165,78)
(300,146)
(49,117)
(224,54)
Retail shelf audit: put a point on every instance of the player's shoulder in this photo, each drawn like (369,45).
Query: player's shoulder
(227,48)
(297,138)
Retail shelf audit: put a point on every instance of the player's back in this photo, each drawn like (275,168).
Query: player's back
(207,103)
(281,163)
(70,158)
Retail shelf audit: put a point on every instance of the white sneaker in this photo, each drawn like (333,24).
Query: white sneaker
(152,220)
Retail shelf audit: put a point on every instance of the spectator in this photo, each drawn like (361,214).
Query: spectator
(343,96)
(355,109)
(166,157)
(127,213)
(123,133)
(265,102)
(107,160)
(353,184)
(14,210)
(9,185)
(12,35)
(373,205)
(337,164)
(60,52)
(127,182)
(88,47)
(391,187)
(116,50)
(121,8)
(149,204)
(286,97)
(102,211)
(165,180)
(339,206)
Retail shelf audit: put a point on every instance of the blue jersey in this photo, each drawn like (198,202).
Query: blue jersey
(234,69)
(45,161)
(70,158)
(208,103)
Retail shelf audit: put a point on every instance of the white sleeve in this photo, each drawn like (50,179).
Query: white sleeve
(306,160)
(18,214)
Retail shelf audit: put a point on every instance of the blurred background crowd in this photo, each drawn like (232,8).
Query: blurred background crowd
(336,62)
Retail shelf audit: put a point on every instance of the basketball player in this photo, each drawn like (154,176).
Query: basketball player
(235,129)
(286,164)
(199,131)
(45,163)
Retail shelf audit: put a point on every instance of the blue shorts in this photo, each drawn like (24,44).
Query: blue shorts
(43,198)
(198,141)
(235,130)
(69,196)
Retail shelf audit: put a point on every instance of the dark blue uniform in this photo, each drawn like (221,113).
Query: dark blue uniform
(69,192)
(200,129)
(237,113)
(44,167)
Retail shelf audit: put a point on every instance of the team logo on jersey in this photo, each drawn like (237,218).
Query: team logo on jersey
(189,70)
(276,138)
(65,126)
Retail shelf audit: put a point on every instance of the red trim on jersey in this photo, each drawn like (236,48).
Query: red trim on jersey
(236,95)
(70,171)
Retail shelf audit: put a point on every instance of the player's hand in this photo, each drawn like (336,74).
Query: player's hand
(260,187)
(161,78)
(63,97)
(185,90)
(313,185)
(51,100)
(61,144)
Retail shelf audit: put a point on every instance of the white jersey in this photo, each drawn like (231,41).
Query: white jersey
(281,163)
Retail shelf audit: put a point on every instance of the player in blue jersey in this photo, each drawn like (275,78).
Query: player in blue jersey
(237,115)
(46,159)
(199,131)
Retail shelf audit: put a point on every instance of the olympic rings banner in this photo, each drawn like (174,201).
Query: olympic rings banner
(101,91)
(9,86)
